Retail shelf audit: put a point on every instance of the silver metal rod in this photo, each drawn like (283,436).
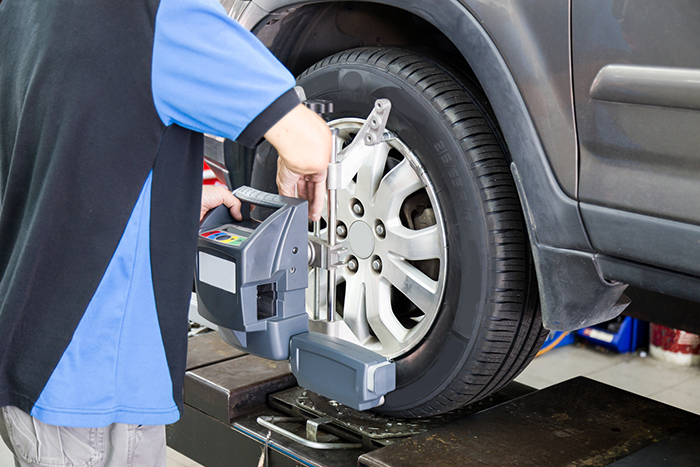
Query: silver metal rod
(317,278)
(332,222)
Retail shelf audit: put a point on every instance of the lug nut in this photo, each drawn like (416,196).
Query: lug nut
(341,230)
(352,265)
(377,264)
(358,209)
(379,229)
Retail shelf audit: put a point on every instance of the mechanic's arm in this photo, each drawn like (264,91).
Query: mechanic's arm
(193,87)
(303,141)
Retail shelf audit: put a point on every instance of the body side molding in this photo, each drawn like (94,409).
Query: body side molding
(677,88)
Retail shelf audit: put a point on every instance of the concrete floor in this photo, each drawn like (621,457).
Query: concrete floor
(673,385)
(670,384)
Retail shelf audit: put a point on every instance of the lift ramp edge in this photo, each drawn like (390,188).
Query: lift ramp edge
(577,422)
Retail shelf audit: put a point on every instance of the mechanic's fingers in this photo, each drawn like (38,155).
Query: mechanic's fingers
(286,179)
(315,193)
(305,190)
(235,208)
(311,187)
(317,187)
(213,196)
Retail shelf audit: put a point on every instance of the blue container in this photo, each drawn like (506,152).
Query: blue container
(622,335)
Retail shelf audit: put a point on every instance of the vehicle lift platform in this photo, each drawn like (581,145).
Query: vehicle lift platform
(579,422)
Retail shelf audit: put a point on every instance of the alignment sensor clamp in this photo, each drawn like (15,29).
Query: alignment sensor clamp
(252,276)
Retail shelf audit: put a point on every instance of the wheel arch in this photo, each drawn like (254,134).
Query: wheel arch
(560,244)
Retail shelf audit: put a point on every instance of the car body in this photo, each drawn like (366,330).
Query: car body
(598,105)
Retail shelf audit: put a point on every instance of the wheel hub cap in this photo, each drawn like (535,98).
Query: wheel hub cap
(361,240)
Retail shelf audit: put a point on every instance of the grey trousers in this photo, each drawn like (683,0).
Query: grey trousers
(36,444)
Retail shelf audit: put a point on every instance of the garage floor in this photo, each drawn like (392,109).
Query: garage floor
(673,385)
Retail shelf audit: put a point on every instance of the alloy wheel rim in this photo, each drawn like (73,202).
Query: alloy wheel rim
(390,291)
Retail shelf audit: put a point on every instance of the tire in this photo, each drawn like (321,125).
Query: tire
(483,325)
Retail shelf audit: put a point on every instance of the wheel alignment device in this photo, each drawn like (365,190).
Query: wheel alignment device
(251,278)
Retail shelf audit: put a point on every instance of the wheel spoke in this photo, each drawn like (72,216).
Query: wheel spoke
(355,307)
(416,286)
(370,174)
(370,294)
(414,245)
(396,186)
(381,317)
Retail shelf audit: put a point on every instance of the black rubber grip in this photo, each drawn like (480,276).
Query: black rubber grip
(260,198)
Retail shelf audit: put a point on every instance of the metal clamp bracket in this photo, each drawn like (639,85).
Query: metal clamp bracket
(269,423)
(362,147)
(323,256)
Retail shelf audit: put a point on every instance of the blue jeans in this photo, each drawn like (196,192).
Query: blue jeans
(36,444)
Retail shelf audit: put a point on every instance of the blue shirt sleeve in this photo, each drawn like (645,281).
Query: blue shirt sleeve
(209,74)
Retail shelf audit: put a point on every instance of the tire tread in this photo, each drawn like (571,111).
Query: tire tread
(512,333)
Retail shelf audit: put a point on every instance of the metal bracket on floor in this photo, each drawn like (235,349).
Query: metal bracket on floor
(311,431)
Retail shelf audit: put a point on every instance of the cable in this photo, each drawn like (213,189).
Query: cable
(553,344)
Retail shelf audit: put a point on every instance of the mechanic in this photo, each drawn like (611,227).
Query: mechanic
(102,109)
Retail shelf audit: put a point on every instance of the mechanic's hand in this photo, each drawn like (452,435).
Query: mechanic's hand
(309,187)
(303,141)
(214,196)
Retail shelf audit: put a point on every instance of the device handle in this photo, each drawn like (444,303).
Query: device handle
(260,198)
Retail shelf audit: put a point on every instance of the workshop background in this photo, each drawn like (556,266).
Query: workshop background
(658,380)
(636,372)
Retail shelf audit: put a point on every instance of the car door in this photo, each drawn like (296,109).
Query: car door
(636,70)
